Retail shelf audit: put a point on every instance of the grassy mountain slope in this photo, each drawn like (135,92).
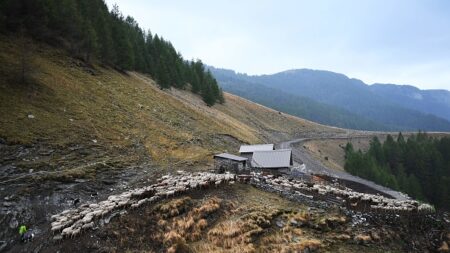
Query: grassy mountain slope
(124,115)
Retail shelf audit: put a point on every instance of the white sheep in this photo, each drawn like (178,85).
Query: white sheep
(87,218)
(66,232)
(88,225)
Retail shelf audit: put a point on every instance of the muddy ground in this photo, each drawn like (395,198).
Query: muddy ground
(241,218)
(39,181)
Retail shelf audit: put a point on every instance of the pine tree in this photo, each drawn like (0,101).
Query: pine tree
(89,43)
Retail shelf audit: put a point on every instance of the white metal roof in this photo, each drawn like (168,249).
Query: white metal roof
(280,158)
(231,157)
(253,148)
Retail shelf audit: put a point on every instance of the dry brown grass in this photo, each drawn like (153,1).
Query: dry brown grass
(174,207)
(202,224)
(289,238)
(241,233)
(236,221)
(228,234)
(180,222)
(209,206)
(172,237)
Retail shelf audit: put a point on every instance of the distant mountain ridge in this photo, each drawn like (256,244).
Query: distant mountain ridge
(436,102)
(375,105)
(293,104)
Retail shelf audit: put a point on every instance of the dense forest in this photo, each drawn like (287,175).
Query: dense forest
(93,33)
(419,166)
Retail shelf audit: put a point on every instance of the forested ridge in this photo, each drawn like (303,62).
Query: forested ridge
(419,166)
(296,105)
(334,99)
(93,33)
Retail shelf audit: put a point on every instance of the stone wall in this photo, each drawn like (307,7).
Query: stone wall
(222,165)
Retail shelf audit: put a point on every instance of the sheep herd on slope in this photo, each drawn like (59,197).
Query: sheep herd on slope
(72,222)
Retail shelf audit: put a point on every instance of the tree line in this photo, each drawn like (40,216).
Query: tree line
(93,33)
(419,166)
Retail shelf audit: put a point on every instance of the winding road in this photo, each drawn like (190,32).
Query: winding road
(300,155)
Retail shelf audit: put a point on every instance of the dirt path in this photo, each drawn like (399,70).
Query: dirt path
(300,155)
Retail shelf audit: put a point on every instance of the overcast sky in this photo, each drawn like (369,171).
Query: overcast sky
(383,41)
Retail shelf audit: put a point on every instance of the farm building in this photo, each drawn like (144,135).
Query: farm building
(228,162)
(272,159)
(247,150)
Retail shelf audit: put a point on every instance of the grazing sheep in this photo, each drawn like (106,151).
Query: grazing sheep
(87,218)
(169,194)
(55,217)
(56,228)
(66,232)
(76,232)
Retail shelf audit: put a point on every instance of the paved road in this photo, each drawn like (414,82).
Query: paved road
(300,155)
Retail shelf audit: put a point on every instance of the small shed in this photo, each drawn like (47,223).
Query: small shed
(272,159)
(248,150)
(228,162)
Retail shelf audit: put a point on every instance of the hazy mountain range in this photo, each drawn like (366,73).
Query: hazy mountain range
(334,99)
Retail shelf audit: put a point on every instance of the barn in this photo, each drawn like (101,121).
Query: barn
(248,150)
(228,162)
(280,159)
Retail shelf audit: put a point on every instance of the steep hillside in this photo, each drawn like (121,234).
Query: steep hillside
(67,103)
(338,91)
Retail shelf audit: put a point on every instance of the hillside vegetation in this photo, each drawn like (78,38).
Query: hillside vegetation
(68,103)
(89,31)
(418,165)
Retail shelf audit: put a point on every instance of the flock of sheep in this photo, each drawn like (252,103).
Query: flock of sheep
(354,199)
(72,222)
